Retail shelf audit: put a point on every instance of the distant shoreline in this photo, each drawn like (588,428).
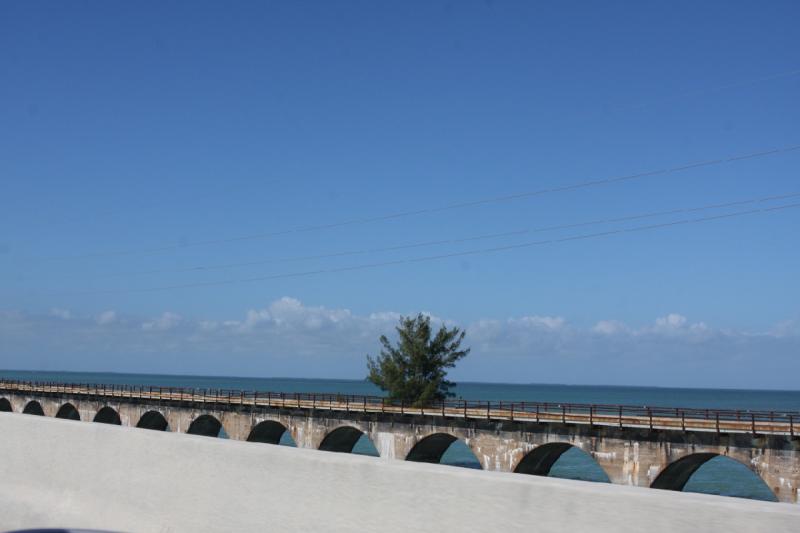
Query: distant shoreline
(639,396)
(355,380)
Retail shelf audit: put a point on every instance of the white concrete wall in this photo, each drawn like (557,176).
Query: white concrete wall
(76,474)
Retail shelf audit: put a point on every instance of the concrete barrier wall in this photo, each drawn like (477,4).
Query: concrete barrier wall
(70,474)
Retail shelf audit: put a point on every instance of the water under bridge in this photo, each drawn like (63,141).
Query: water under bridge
(655,447)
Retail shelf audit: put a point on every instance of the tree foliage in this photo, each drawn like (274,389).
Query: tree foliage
(414,370)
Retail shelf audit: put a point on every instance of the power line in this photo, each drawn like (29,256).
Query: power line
(479,251)
(440,242)
(449,207)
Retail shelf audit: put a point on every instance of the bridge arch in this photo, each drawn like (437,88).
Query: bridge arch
(443,448)
(107,415)
(729,477)
(68,411)
(33,408)
(545,459)
(206,425)
(347,439)
(153,420)
(5,406)
(269,432)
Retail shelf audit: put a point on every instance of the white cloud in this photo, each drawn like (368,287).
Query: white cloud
(671,321)
(106,317)
(786,328)
(610,327)
(290,313)
(287,337)
(63,314)
(547,322)
(165,322)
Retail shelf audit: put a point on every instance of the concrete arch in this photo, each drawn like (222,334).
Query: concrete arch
(268,431)
(5,406)
(678,473)
(341,439)
(33,408)
(153,420)
(540,461)
(432,449)
(107,415)
(68,411)
(206,425)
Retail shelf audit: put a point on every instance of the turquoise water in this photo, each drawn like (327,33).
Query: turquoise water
(577,464)
(721,475)
(738,480)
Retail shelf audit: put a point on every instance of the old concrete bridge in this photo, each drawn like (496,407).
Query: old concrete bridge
(640,446)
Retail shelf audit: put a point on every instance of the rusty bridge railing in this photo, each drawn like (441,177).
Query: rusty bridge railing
(622,416)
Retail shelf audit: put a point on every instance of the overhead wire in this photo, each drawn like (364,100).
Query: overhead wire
(460,240)
(465,253)
(448,207)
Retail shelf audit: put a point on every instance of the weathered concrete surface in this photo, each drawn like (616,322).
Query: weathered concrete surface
(629,456)
(62,473)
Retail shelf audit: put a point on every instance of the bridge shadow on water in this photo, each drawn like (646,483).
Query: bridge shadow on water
(365,446)
(577,464)
(107,415)
(347,439)
(724,476)
(562,460)
(459,454)
(33,408)
(207,426)
(287,440)
(443,448)
(153,420)
(68,412)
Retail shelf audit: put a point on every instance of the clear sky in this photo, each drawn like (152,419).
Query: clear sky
(127,128)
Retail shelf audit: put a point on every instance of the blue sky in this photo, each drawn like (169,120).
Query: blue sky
(133,127)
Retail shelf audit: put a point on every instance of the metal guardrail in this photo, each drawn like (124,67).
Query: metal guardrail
(622,416)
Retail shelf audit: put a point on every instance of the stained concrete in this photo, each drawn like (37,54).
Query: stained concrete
(56,472)
(629,456)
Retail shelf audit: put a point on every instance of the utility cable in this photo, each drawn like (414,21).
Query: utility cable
(465,253)
(442,242)
(453,206)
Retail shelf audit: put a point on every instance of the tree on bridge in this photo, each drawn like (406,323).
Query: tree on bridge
(415,370)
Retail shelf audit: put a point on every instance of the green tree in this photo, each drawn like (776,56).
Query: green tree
(414,370)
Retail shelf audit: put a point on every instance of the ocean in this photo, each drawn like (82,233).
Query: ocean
(719,476)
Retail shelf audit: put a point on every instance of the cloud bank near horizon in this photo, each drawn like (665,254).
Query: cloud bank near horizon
(288,338)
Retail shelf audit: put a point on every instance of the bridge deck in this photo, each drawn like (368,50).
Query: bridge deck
(659,418)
